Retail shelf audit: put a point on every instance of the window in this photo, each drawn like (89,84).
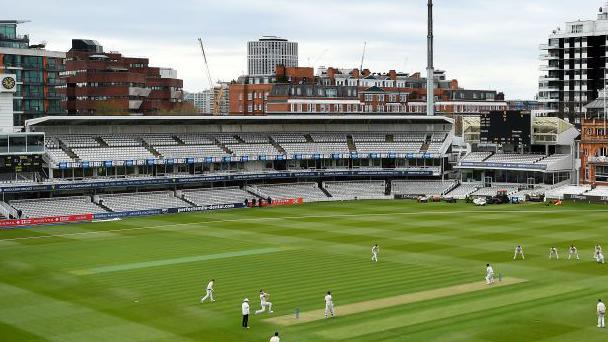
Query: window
(577,28)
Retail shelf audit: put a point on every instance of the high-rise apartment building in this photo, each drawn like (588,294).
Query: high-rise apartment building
(266,53)
(39,89)
(202,101)
(573,68)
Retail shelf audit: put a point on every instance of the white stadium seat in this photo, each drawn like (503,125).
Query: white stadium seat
(58,206)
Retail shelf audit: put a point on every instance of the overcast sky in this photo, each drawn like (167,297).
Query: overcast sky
(482,43)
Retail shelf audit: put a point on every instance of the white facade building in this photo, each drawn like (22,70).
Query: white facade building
(573,68)
(266,53)
(203,100)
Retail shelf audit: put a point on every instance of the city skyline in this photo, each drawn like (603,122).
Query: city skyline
(496,48)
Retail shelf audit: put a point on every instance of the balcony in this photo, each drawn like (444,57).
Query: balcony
(548,99)
(548,56)
(548,47)
(549,68)
(548,78)
(18,38)
(549,88)
(598,160)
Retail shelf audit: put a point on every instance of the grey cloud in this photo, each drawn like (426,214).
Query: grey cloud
(482,43)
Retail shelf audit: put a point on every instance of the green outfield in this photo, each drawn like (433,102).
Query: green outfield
(141,279)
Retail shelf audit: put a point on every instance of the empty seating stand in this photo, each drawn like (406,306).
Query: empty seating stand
(356,190)
(310,192)
(113,153)
(476,157)
(463,190)
(558,193)
(191,151)
(429,188)
(495,188)
(59,206)
(202,197)
(143,201)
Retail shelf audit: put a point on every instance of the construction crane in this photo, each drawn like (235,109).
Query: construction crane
(361,66)
(217,98)
(363,57)
(314,63)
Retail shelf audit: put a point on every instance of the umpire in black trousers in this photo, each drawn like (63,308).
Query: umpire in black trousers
(245,311)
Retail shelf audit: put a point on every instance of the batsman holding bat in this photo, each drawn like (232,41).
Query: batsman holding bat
(264,303)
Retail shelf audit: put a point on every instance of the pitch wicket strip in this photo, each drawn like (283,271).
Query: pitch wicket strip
(382,303)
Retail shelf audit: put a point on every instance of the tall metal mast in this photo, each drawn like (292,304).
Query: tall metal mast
(430,70)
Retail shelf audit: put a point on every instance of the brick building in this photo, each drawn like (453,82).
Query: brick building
(352,91)
(109,83)
(395,92)
(249,95)
(594,152)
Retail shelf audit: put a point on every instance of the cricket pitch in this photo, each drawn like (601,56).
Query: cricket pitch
(382,303)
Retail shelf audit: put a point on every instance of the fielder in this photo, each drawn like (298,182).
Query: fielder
(553,253)
(489,274)
(599,257)
(275,337)
(598,248)
(209,291)
(375,251)
(264,303)
(601,312)
(573,252)
(519,251)
(329,305)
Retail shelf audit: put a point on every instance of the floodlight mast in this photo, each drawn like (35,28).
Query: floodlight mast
(430,70)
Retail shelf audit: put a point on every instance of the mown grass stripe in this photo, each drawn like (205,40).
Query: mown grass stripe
(175,261)
(435,313)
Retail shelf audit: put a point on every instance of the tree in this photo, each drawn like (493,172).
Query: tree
(182,108)
(110,107)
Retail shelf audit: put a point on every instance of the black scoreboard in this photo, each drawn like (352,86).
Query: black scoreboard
(20,163)
(506,128)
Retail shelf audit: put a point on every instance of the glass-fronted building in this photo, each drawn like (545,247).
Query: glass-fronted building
(40,90)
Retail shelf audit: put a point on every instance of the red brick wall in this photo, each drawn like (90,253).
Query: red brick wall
(590,144)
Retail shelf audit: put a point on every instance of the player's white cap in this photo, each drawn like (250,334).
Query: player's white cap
(245,300)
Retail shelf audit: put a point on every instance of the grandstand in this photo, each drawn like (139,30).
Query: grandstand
(120,141)
(132,164)
(57,207)
(600,191)
(203,197)
(463,190)
(356,190)
(495,188)
(417,188)
(310,192)
(142,201)
(121,147)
